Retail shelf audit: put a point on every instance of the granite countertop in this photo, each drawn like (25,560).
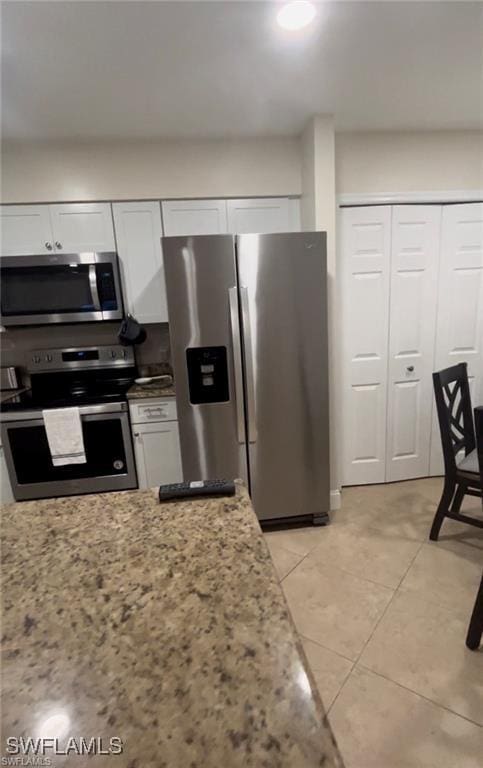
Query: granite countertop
(139,391)
(163,625)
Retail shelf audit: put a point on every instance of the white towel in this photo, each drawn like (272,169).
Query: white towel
(64,434)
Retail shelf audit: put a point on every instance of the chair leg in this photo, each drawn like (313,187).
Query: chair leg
(443,508)
(458,498)
(475,629)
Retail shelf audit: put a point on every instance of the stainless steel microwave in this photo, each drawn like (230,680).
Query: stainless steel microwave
(60,288)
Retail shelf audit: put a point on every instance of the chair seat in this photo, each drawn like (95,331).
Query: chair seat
(469,463)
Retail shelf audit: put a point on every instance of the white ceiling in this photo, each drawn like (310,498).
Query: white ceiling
(99,70)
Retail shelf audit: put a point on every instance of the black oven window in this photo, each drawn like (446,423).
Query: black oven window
(45,290)
(104,447)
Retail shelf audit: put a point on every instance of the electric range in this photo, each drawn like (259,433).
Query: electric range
(94,379)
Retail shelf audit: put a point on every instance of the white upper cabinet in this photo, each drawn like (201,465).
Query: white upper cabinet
(194,217)
(138,234)
(81,227)
(66,228)
(26,229)
(262,215)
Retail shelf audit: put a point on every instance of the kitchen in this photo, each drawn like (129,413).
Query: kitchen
(289,252)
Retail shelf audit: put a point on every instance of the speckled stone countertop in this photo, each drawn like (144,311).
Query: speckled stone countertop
(138,391)
(163,625)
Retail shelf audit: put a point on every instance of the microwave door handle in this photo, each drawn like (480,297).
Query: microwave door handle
(93,286)
(237,366)
(250,368)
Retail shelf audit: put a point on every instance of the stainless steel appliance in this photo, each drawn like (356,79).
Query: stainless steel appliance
(60,288)
(248,328)
(96,380)
(8,378)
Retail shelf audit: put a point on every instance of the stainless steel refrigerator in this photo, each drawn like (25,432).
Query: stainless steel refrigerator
(248,329)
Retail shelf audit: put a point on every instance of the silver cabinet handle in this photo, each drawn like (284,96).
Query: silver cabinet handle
(250,370)
(48,246)
(237,363)
(58,245)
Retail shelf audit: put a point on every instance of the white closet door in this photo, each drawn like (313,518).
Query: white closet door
(194,217)
(459,335)
(263,215)
(365,248)
(82,227)
(412,319)
(138,234)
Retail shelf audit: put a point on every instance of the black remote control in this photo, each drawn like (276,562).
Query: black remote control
(196,488)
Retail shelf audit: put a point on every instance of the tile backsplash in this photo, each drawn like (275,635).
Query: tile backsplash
(17,343)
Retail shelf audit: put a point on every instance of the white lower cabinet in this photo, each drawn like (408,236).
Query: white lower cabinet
(156,442)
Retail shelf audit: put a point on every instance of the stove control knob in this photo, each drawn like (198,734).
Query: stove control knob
(48,358)
(113,353)
(36,359)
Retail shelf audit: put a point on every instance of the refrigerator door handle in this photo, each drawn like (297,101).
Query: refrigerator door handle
(250,381)
(237,365)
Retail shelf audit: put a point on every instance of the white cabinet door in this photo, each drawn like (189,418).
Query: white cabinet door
(6,495)
(157,451)
(263,215)
(138,235)
(412,319)
(26,230)
(459,335)
(365,250)
(194,217)
(81,227)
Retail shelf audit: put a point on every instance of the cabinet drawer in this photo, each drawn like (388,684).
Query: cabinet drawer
(152,409)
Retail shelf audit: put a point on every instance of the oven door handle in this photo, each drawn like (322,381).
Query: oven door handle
(93,285)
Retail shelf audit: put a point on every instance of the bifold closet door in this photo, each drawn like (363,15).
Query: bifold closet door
(365,248)
(415,234)
(459,336)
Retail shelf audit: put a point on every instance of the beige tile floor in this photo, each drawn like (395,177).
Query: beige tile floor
(383,615)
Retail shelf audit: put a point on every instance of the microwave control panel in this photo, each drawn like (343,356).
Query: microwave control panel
(207,375)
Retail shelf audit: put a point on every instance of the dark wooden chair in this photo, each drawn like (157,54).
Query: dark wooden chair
(453,403)
(475,629)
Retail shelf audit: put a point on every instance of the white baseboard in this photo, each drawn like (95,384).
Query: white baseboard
(335,500)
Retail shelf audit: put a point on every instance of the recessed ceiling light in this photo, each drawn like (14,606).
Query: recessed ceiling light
(296,15)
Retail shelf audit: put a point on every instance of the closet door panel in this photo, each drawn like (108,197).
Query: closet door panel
(459,335)
(413,293)
(365,250)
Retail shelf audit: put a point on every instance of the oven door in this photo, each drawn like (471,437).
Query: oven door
(67,288)
(108,446)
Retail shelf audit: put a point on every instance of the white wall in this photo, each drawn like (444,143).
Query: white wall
(409,162)
(47,172)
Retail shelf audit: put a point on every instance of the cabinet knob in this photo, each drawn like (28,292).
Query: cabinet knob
(136,434)
(57,244)
(410,368)
(48,246)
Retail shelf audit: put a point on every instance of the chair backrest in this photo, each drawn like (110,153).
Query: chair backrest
(455,416)
(479,441)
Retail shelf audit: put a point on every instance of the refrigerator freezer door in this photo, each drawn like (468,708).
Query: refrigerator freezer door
(206,355)
(283,293)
